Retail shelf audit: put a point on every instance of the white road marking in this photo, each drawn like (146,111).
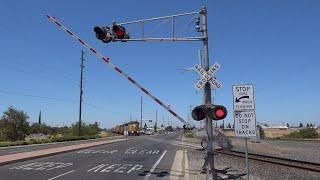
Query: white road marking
(40,166)
(191,146)
(155,165)
(186,166)
(97,168)
(176,169)
(115,168)
(61,175)
(134,150)
(135,167)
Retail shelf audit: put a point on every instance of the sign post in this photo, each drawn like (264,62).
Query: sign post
(244,115)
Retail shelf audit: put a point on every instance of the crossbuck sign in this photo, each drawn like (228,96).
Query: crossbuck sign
(207,76)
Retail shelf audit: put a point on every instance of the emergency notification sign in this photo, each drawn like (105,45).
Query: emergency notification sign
(245,123)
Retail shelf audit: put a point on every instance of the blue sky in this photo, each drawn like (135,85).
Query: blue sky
(271,44)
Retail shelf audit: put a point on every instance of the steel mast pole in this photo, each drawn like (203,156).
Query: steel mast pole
(81,91)
(207,94)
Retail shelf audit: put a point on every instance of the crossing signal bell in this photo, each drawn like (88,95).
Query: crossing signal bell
(107,34)
(216,112)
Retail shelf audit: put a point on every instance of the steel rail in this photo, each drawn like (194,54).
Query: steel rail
(299,164)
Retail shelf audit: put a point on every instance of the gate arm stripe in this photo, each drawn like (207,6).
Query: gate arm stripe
(114,67)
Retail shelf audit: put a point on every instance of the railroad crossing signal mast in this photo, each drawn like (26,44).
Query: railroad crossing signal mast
(117,32)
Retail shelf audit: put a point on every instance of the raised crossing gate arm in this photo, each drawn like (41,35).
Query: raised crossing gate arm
(114,67)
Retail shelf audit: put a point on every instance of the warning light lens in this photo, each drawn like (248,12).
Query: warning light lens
(119,31)
(220,113)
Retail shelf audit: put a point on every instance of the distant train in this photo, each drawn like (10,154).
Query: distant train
(133,128)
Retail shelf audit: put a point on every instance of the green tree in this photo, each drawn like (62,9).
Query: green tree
(92,129)
(41,128)
(86,130)
(288,125)
(62,130)
(15,124)
(300,125)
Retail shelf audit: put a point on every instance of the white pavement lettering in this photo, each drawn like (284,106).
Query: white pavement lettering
(134,150)
(97,168)
(123,167)
(25,167)
(92,151)
(39,166)
(115,168)
(135,168)
(110,168)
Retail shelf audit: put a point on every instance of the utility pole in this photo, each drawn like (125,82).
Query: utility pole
(39,121)
(156,124)
(207,94)
(141,113)
(81,91)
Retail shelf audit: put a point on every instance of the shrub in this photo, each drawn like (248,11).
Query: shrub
(306,133)
(56,139)
(189,135)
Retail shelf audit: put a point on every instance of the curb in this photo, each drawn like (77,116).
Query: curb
(55,153)
(53,143)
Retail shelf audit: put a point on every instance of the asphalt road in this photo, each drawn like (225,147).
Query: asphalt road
(33,147)
(145,157)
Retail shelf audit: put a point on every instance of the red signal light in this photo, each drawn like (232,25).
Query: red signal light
(219,113)
(120,32)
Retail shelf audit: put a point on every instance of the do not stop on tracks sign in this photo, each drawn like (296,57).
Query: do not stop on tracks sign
(245,123)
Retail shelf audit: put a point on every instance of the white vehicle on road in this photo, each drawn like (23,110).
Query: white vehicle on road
(149,131)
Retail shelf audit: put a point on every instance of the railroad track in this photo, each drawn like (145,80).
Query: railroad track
(305,165)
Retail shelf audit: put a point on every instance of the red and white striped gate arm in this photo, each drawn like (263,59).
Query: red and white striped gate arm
(117,69)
